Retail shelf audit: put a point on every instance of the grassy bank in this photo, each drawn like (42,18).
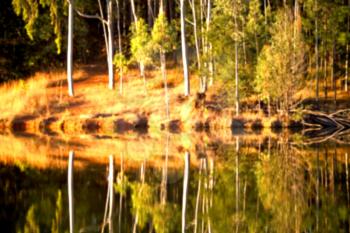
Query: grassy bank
(41,104)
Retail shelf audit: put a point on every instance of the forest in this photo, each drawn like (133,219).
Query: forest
(263,55)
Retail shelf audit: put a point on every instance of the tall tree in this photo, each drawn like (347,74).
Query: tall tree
(163,40)
(184,48)
(70,48)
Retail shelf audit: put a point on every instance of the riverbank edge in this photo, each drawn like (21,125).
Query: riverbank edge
(110,123)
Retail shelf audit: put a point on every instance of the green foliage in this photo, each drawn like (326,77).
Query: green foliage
(255,20)
(29,10)
(142,202)
(163,34)
(281,67)
(140,45)
(120,62)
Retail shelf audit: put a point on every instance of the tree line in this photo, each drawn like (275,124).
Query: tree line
(267,48)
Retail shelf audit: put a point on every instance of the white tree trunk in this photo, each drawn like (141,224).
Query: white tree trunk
(120,49)
(193,7)
(347,55)
(133,10)
(110,44)
(316,54)
(236,79)
(70,49)
(184,48)
(103,26)
(163,69)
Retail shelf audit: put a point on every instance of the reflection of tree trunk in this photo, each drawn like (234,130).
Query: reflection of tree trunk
(142,179)
(121,194)
(163,191)
(198,195)
(111,192)
(237,185)
(109,198)
(347,178)
(70,191)
(185,187)
(317,191)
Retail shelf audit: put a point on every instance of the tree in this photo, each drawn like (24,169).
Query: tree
(184,48)
(140,45)
(255,21)
(163,38)
(70,48)
(280,69)
(228,14)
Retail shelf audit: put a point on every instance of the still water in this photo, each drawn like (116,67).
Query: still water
(174,183)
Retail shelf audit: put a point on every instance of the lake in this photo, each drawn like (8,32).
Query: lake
(163,182)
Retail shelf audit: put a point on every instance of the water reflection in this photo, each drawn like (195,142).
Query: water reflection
(263,185)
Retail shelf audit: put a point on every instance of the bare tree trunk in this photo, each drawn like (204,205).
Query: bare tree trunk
(133,10)
(347,54)
(236,70)
(236,79)
(334,82)
(210,61)
(184,48)
(316,54)
(243,43)
(103,27)
(193,7)
(70,49)
(163,68)
(150,14)
(71,191)
(325,78)
(120,49)
(110,44)
(265,12)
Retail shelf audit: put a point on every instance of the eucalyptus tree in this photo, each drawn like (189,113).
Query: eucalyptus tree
(139,42)
(184,48)
(163,38)
(119,59)
(140,46)
(107,25)
(226,37)
(70,48)
(255,22)
(281,65)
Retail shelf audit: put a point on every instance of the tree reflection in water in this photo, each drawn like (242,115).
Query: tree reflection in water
(266,185)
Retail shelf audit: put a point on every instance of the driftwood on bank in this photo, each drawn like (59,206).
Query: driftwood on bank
(336,120)
(322,127)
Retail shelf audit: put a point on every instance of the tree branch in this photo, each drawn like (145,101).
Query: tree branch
(89,16)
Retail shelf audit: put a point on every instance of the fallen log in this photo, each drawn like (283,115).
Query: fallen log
(323,120)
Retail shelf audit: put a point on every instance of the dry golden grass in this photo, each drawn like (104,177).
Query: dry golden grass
(45,95)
